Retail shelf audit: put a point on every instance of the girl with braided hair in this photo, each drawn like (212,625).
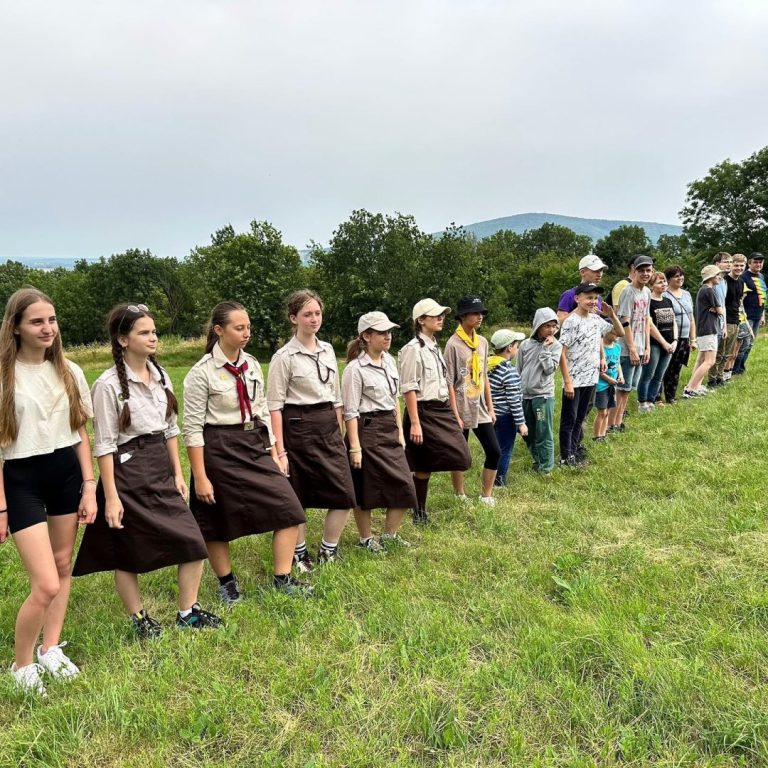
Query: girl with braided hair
(238,487)
(143,522)
(46,476)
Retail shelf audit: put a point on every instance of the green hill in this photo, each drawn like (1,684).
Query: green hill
(594,228)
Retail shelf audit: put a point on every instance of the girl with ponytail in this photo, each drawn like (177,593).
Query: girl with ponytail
(238,487)
(46,476)
(143,522)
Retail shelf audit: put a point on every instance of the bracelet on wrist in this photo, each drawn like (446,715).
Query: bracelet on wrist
(3,511)
(355,450)
(282,454)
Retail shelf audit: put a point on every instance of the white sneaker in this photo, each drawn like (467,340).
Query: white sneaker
(463,498)
(489,500)
(56,663)
(27,678)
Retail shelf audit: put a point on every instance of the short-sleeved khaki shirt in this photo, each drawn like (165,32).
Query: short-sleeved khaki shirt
(422,369)
(210,395)
(300,377)
(366,386)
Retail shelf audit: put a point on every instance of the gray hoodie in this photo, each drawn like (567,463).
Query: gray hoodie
(537,364)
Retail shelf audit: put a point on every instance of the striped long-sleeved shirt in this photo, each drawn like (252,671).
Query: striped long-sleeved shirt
(507,390)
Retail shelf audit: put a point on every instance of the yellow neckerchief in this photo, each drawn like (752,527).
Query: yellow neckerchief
(474,361)
(495,360)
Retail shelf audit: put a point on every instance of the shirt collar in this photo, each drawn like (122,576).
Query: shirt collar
(154,374)
(294,347)
(220,359)
(430,342)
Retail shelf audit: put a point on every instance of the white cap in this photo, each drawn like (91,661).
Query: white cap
(590,261)
(375,321)
(428,307)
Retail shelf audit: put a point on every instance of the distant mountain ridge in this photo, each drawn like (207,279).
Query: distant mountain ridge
(594,228)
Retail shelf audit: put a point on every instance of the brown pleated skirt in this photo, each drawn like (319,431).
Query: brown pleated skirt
(384,480)
(252,494)
(444,448)
(158,527)
(319,466)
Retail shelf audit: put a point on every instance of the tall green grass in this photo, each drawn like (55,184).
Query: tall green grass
(614,616)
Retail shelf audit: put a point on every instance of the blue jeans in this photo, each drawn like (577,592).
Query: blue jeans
(652,375)
(746,347)
(506,432)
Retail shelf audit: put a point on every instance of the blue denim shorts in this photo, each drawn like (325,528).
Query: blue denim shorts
(631,375)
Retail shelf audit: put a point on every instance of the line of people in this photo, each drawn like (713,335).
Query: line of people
(261,456)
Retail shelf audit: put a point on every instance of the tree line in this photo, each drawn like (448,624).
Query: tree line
(386,262)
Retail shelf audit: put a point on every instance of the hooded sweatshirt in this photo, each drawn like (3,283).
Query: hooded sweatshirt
(535,362)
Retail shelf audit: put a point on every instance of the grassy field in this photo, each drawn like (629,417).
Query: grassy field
(614,616)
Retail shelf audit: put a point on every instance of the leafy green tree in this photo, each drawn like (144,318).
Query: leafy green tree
(255,268)
(13,275)
(728,208)
(620,245)
(373,262)
(554,239)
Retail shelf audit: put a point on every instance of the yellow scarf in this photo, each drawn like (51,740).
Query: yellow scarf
(475,367)
(495,360)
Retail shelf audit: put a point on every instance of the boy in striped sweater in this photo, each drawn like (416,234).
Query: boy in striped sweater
(507,396)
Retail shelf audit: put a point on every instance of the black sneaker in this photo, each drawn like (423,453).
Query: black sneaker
(229,592)
(303,563)
(145,626)
(325,556)
(420,517)
(294,587)
(198,619)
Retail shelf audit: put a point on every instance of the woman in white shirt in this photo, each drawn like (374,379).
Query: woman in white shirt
(143,522)
(46,483)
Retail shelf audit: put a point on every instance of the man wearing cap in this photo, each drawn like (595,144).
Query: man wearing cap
(634,314)
(591,270)
(720,372)
(755,291)
(507,396)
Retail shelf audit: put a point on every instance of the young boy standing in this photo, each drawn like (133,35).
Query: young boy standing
(507,396)
(634,315)
(581,337)
(605,396)
(537,361)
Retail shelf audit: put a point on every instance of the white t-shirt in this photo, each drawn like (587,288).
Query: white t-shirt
(42,410)
(582,339)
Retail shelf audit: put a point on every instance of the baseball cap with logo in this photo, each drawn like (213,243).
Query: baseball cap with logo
(590,261)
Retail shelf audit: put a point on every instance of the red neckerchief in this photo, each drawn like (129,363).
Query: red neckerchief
(242,391)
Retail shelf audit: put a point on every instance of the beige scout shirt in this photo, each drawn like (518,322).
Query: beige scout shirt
(210,396)
(366,386)
(148,405)
(42,410)
(300,377)
(470,397)
(422,370)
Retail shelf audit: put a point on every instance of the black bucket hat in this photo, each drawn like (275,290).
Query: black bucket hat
(469,305)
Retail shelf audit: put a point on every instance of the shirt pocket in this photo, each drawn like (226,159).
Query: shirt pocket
(222,393)
(253,385)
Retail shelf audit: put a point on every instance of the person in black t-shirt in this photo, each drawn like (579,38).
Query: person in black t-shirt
(663,343)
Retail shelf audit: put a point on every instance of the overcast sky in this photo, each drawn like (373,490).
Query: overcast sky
(151,124)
